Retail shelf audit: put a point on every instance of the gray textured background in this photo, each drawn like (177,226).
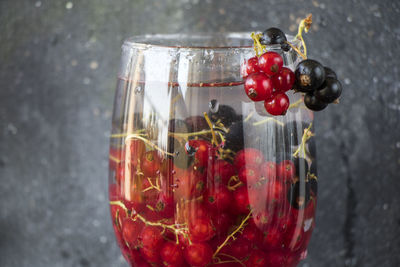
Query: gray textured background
(58,65)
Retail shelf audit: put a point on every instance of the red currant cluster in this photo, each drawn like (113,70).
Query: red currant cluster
(192,206)
(267,80)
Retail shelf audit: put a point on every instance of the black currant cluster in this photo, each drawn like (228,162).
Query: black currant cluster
(318,82)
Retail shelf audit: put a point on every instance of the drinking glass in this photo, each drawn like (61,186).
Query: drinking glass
(199,174)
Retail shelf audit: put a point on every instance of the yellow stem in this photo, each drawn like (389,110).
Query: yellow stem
(135,136)
(172,227)
(229,256)
(120,204)
(117,160)
(258,47)
(232,235)
(139,132)
(152,186)
(306,136)
(297,50)
(296,104)
(304,25)
(267,120)
(249,116)
(214,138)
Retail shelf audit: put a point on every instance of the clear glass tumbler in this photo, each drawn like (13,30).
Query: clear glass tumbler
(199,174)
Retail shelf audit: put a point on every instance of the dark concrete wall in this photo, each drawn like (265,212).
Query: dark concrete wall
(58,65)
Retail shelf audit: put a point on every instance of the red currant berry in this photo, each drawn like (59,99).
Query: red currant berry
(150,163)
(277,259)
(270,63)
(172,254)
(275,192)
(258,87)
(131,230)
(278,104)
(198,254)
(223,171)
(257,259)
(197,210)
(240,248)
(250,67)
(252,234)
(188,185)
(294,237)
(241,200)
(284,80)
(151,237)
(249,174)
(152,255)
(201,229)
(262,219)
(202,151)
(218,198)
(222,222)
(273,239)
(165,205)
(268,170)
(248,156)
(286,170)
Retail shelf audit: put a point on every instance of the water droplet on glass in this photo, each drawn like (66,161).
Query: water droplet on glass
(214,105)
(138,90)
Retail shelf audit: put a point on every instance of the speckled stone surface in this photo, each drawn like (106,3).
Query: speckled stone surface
(58,65)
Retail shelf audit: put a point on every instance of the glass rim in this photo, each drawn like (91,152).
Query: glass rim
(150,40)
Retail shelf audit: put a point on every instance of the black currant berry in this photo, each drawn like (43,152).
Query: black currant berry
(273,36)
(223,113)
(299,195)
(329,73)
(313,103)
(330,90)
(234,138)
(310,75)
(175,126)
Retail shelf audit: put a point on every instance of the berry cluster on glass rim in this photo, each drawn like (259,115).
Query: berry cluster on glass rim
(196,207)
(266,78)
